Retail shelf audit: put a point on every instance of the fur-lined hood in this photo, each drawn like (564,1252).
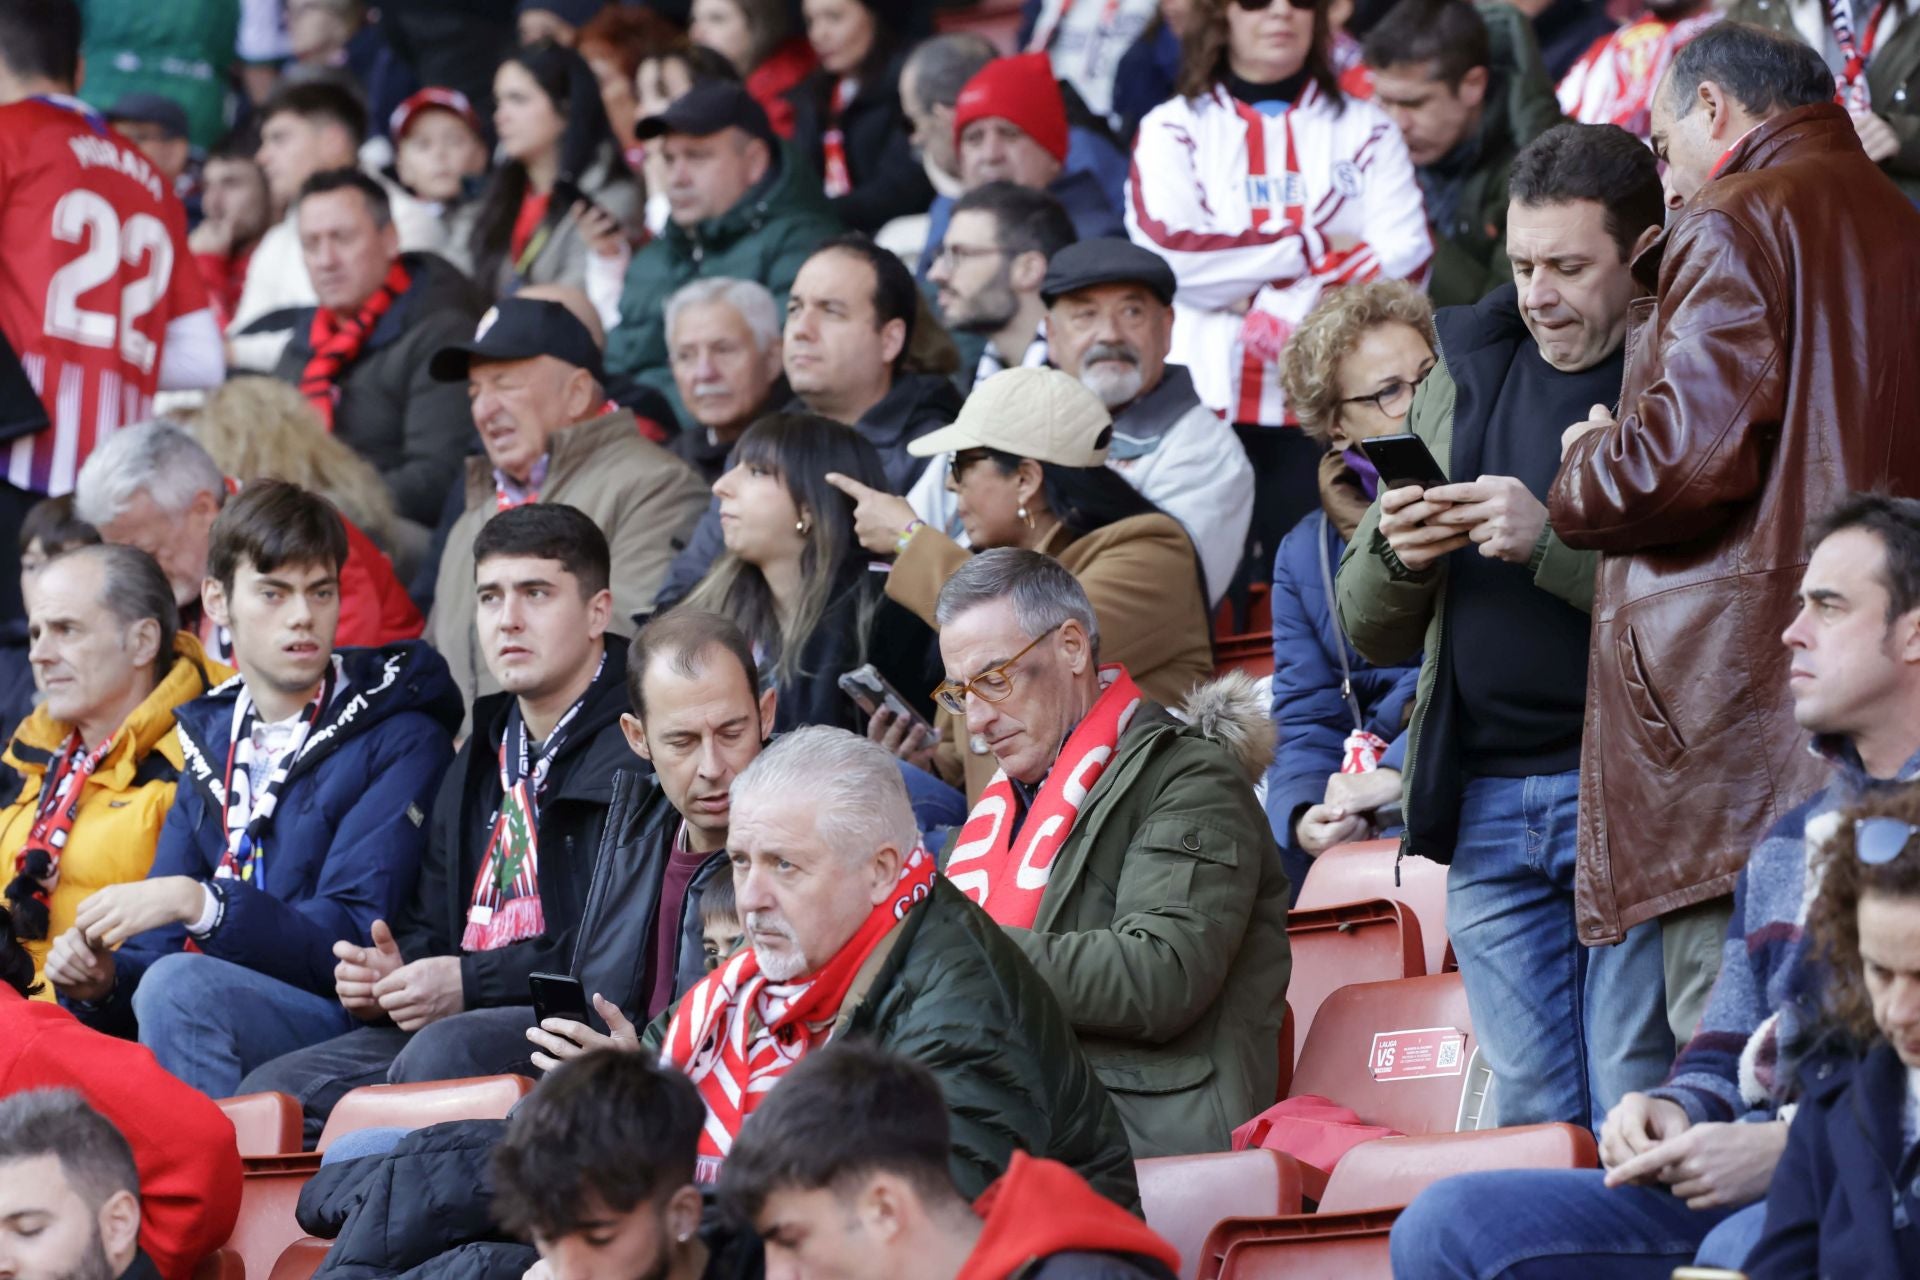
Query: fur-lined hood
(1232,710)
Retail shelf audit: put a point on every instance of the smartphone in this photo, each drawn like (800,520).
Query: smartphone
(1403,460)
(559,995)
(870,691)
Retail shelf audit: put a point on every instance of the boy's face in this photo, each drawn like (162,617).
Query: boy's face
(283,621)
(720,939)
(437,154)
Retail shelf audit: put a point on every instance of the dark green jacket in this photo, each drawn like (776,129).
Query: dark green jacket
(1470,251)
(1163,928)
(1392,613)
(766,237)
(1893,78)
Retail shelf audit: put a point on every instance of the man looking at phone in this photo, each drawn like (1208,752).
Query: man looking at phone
(512,835)
(1472,572)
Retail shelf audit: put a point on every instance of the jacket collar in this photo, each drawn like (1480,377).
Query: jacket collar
(38,739)
(1820,128)
(606,700)
(1850,777)
(1154,414)
(776,190)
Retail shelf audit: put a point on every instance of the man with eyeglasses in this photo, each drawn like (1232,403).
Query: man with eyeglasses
(989,270)
(1122,848)
(1687,1164)
(1472,574)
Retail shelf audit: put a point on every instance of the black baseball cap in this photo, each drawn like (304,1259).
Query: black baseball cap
(520,329)
(149,108)
(1107,260)
(706,109)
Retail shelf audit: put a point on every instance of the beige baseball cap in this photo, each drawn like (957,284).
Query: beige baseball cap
(1041,414)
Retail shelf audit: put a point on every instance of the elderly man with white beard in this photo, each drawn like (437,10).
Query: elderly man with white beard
(1110,324)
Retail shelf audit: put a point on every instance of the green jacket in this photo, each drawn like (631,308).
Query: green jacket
(1391,612)
(765,237)
(1163,928)
(1470,251)
(1893,78)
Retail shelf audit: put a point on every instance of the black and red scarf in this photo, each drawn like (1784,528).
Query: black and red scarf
(36,868)
(337,342)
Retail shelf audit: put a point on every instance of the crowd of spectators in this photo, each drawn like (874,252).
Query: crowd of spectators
(739,506)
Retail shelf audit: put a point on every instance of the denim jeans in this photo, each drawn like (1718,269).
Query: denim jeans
(1566,1029)
(936,804)
(1530,1224)
(210,1021)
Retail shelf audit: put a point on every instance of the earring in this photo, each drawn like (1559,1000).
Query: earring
(800,527)
(1026,515)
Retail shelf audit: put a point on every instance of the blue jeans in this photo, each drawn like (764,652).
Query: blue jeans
(1566,1029)
(1533,1224)
(210,1021)
(936,805)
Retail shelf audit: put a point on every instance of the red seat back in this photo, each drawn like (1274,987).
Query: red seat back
(265,1124)
(1390,1172)
(301,1259)
(1338,1057)
(415,1106)
(269,1193)
(1183,1196)
(221,1264)
(1313,1246)
(1353,872)
(1333,947)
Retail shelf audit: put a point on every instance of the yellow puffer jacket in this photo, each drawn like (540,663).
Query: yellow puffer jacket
(125,801)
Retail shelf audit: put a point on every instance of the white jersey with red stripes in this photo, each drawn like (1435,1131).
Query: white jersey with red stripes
(1614,80)
(94,266)
(1257,214)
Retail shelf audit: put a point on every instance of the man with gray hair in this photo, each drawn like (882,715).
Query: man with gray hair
(1123,851)
(723,340)
(153,487)
(853,933)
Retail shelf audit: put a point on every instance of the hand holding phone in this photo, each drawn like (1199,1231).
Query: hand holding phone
(871,691)
(558,995)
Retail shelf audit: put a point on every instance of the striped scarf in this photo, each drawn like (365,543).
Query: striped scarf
(337,343)
(736,1033)
(248,815)
(37,866)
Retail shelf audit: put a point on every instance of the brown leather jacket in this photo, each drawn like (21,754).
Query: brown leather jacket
(1777,368)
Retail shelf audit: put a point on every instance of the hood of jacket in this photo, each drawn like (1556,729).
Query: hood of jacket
(380,684)
(787,190)
(915,405)
(1039,1208)
(1232,711)
(192,674)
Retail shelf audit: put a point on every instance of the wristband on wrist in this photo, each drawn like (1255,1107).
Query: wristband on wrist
(914,526)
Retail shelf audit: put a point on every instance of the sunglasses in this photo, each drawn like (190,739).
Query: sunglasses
(1261,6)
(1878,841)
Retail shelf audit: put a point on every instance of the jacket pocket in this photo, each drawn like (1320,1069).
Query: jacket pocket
(1127,1069)
(1656,727)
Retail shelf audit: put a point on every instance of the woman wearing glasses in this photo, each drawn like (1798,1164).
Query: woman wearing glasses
(1267,184)
(798,583)
(1349,374)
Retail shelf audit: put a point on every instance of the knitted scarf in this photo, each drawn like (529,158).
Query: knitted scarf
(737,1032)
(248,815)
(337,343)
(36,867)
(983,865)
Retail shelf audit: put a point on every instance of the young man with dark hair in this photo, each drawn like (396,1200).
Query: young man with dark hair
(299,818)
(843,1171)
(1474,575)
(597,1170)
(512,838)
(989,268)
(1466,87)
(1785,295)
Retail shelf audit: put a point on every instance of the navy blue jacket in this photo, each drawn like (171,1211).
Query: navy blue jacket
(1845,1199)
(1311,718)
(347,833)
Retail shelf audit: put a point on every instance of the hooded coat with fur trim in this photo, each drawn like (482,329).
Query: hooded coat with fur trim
(1163,927)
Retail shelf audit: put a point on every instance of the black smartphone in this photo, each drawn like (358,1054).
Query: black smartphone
(870,691)
(559,995)
(1403,460)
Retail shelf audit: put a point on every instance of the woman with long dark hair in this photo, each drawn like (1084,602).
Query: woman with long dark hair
(797,581)
(559,150)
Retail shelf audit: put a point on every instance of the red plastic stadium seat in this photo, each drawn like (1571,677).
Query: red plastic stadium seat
(301,1259)
(221,1264)
(1334,1246)
(269,1193)
(415,1106)
(997,20)
(1352,872)
(266,1124)
(1333,947)
(1285,1081)
(1338,1058)
(1183,1196)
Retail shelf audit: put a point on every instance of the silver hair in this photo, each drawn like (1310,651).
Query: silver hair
(852,784)
(749,297)
(1043,592)
(158,458)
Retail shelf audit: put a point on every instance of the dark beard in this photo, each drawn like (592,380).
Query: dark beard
(94,1265)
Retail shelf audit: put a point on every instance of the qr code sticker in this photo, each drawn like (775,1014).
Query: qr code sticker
(1449,1055)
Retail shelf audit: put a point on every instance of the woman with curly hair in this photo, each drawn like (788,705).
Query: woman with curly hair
(1845,1200)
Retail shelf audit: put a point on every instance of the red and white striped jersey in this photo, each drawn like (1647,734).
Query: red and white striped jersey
(1614,80)
(95,266)
(1257,214)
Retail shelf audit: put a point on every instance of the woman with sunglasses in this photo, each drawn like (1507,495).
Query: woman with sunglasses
(1029,470)
(1268,185)
(1845,1199)
(796,580)
(1349,373)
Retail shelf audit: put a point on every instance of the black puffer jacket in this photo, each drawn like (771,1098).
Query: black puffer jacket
(888,182)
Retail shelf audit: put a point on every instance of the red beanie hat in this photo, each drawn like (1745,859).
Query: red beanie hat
(1021,90)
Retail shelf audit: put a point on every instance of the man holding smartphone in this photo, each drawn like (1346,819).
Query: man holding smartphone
(1472,573)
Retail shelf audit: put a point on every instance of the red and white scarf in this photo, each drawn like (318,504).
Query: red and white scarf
(36,867)
(838,178)
(1855,54)
(983,865)
(737,1032)
(337,342)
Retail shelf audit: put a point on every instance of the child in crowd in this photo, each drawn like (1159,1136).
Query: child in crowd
(440,154)
(720,930)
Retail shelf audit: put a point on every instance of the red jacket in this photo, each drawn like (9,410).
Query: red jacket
(777,76)
(375,609)
(183,1145)
(1040,1208)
